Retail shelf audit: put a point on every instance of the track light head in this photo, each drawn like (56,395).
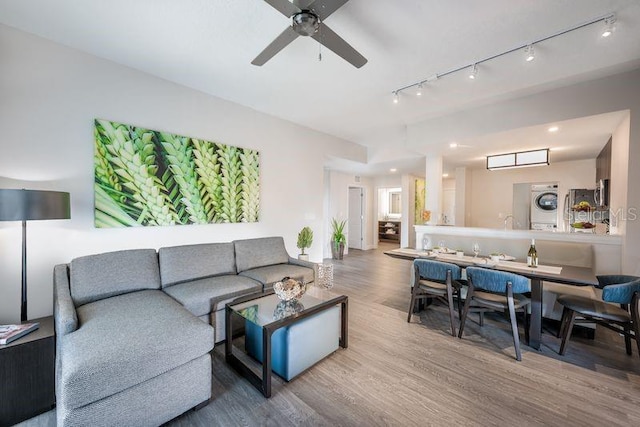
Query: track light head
(474,72)
(609,26)
(529,53)
(419,91)
(396,99)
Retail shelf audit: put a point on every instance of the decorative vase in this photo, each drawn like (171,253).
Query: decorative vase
(337,253)
(290,289)
(325,276)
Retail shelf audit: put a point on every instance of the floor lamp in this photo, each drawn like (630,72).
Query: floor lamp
(31,205)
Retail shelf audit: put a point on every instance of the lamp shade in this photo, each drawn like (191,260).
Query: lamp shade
(30,205)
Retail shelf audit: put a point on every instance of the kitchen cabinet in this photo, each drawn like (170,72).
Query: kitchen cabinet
(603,163)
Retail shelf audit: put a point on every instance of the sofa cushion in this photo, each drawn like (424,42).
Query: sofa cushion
(95,277)
(125,340)
(254,253)
(201,297)
(190,262)
(275,273)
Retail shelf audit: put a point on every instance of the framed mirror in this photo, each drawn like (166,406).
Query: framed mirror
(395,203)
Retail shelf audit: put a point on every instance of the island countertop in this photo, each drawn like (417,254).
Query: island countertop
(557,236)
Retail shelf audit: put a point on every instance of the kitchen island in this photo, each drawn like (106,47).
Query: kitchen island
(602,252)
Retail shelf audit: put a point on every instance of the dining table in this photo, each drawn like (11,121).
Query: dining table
(557,273)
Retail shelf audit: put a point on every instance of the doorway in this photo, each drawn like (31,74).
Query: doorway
(355,235)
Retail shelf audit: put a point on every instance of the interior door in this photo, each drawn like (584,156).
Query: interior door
(356,218)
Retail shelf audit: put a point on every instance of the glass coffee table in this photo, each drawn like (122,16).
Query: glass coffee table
(267,314)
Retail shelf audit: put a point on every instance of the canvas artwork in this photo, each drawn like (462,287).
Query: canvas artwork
(145,177)
(419,201)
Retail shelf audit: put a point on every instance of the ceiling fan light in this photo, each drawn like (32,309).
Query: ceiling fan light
(306,23)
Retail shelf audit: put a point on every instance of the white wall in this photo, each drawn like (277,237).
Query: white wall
(492,191)
(49,97)
(619,171)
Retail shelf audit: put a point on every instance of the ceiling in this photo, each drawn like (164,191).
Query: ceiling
(209,44)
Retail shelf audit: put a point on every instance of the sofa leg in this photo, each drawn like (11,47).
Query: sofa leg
(201,405)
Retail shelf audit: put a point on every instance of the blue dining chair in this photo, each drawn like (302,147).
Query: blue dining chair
(436,279)
(623,319)
(500,291)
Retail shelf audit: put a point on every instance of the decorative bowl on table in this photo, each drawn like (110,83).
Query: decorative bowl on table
(290,289)
(287,308)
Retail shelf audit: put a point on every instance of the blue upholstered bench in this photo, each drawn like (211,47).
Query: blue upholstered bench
(297,347)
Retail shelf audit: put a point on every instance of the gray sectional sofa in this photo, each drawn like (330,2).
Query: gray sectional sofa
(134,328)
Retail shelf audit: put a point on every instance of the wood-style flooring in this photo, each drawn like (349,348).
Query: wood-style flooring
(416,374)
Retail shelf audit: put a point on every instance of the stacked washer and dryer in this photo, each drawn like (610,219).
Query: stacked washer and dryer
(544,207)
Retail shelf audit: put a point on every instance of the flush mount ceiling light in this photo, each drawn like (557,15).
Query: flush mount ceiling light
(553,129)
(393,170)
(445,175)
(453,145)
(519,159)
(609,22)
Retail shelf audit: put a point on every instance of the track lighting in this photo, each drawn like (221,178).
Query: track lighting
(474,72)
(609,23)
(529,53)
(609,26)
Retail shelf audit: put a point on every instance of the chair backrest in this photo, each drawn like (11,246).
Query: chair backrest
(436,270)
(496,281)
(619,288)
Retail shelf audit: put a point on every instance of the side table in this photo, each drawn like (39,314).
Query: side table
(27,369)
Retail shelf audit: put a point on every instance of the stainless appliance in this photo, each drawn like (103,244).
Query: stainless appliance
(544,206)
(601,193)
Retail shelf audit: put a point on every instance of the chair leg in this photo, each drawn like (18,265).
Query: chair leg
(627,338)
(514,323)
(635,318)
(568,316)
(465,312)
(481,318)
(450,303)
(527,323)
(459,298)
(411,305)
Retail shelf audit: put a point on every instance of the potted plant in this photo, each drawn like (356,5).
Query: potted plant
(305,239)
(338,238)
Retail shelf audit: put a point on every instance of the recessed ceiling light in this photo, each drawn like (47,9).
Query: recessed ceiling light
(393,170)
(453,145)
(445,175)
(553,129)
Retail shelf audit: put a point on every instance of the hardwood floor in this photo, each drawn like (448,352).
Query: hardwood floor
(403,374)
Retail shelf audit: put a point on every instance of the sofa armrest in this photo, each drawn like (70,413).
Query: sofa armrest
(308,264)
(64,311)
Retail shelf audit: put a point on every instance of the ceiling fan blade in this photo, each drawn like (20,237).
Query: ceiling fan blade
(285,7)
(324,8)
(302,4)
(334,42)
(286,37)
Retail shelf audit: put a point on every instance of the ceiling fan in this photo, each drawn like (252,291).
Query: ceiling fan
(307,17)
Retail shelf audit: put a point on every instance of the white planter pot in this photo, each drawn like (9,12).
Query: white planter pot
(303,257)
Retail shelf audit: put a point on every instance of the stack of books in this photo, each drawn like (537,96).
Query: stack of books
(9,333)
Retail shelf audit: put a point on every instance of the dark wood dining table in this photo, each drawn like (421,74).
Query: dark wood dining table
(569,275)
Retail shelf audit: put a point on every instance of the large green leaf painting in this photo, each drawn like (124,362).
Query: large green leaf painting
(146,177)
